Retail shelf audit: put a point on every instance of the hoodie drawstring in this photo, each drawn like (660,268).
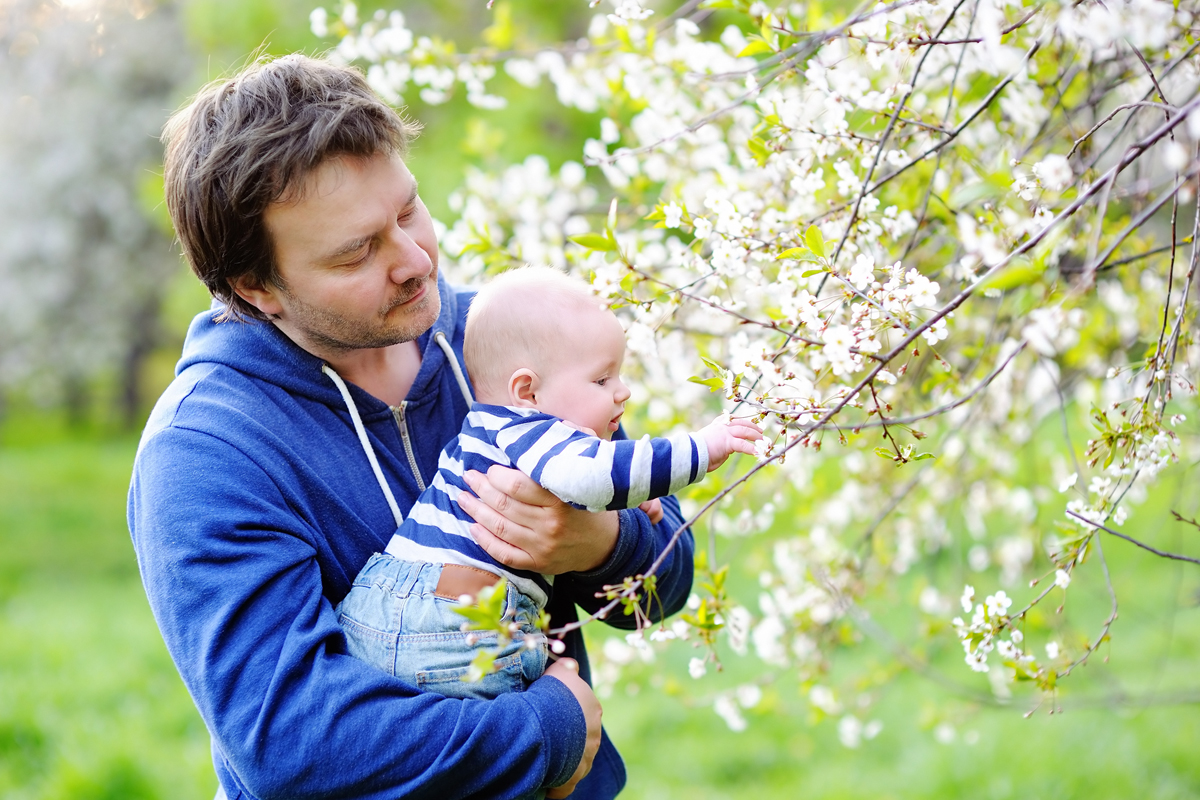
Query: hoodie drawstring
(438,337)
(366,443)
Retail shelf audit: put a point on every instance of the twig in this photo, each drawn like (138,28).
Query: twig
(1143,545)
(1129,260)
(1112,617)
(953,404)
(1089,273)
(1106,120)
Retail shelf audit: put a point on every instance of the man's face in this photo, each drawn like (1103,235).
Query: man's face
(582,382)
(356,257)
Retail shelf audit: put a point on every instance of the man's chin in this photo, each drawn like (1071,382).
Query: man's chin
(405,323)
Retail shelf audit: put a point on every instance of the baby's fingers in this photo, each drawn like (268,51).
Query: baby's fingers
(743,446)
(743,429)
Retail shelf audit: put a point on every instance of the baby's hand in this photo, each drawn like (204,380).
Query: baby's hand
(726,438)
(653,509)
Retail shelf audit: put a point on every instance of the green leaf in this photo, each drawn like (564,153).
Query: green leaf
(758,149)
(765,27)
(755,47)
(883,452)
(815,241)
(713,384)
(500,33)
(715,367)
(808,273)
(1013,276)
(483,664)
(922,456)
(796,253)
(595,241)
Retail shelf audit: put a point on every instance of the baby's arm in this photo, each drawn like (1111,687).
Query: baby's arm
(599,474)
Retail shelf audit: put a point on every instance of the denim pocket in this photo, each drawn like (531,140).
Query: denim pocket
(450,681)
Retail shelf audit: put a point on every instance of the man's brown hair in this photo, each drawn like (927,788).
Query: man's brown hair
(249,141)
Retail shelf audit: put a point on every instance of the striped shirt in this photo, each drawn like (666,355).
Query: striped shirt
(578,468)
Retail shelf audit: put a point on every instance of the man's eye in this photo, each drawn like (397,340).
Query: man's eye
(406,216)
(358,259)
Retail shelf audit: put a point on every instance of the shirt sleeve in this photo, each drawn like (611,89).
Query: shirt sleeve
(234,580)
(599,474)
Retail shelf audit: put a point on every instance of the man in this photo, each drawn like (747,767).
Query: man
(308,410)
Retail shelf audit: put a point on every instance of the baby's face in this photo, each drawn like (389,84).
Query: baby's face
(581,383)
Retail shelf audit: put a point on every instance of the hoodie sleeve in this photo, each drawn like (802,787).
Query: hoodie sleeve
(233,580)
(639,543)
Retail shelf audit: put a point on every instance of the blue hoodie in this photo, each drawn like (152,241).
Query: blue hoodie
(253,506)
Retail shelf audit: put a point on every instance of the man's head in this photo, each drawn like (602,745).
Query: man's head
(538,339)
(254,141)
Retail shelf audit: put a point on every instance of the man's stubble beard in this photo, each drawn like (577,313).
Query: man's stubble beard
(331,331)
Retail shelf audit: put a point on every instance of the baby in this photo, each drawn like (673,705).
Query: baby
(544,358)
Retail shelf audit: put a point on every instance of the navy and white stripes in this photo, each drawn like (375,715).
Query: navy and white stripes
(578,468)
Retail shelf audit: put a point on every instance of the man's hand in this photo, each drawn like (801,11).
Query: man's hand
(566,670)
(523,525)
(726,438)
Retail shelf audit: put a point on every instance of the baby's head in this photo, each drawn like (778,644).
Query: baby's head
(538,339)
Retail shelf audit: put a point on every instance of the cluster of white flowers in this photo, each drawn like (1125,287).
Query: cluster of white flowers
(729,705)
(802,598)
(795,232)
(982,634)
(1143,23)
(527,212)
(398,58)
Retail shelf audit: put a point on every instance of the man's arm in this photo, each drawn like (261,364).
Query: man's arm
(233,578)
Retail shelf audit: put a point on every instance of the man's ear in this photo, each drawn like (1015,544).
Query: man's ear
(522,388)
(263,296)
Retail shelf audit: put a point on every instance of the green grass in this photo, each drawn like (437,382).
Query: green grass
(91,706)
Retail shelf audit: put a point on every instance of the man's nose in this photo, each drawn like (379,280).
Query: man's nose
(407,258)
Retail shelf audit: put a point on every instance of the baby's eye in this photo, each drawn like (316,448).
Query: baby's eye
(602,381)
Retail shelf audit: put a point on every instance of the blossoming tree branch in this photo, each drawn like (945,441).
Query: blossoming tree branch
(912,240)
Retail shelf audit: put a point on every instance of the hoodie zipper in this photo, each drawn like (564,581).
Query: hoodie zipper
(402,424)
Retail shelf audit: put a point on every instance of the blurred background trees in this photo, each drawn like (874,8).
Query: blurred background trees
(85,251)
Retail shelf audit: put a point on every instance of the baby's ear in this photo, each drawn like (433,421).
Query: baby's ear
(522,388)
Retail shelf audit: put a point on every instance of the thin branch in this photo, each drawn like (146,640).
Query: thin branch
(792,54)
(1150,72)
(1106,120)
(1143,545)
(837,251)
(1140,256)
(983,106)
(1089,273)
(955,403)
(1112,617)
